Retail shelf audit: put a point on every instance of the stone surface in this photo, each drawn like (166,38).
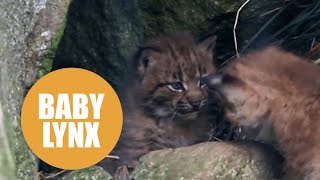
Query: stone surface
(91,173)
(6,172)
(215,160)
(28,31)
(103,35)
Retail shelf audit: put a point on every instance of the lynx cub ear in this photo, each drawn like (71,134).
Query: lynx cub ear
(144,60)
(143,65)
(207,45)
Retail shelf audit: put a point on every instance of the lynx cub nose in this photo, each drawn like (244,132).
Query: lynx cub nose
(213,80)
(195,104)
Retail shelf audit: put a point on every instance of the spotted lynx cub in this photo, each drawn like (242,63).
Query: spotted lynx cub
(165,105)
(280,89)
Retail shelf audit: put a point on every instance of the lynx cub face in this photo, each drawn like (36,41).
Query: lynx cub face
(280,89)
(170,69)
(245,106)
(164,106)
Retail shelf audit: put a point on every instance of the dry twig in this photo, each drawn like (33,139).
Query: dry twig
(263,28)
(314,52)
(113,157)
(235,26)
(53,175)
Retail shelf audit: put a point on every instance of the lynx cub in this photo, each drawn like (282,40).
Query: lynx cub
(278,88)
(165,105)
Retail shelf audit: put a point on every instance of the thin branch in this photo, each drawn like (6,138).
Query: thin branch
(113,157)
(269,12)
(263,28)
(53,175)
(313,42)
(226,61)
(217,139)
(313,53)
(297,21)
(235,26)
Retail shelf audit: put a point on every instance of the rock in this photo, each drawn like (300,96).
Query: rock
(103,35)
(91,173)
(6,172)
(214,160)
(29,30)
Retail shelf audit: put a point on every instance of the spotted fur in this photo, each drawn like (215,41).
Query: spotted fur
(282,90)
(165,105)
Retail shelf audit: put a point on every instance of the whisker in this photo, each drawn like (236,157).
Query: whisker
(175,112)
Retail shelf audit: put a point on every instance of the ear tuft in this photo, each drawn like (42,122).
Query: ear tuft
(143,65)
(208,44)
(145,62)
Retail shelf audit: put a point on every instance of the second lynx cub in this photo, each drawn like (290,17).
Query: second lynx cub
(280,89)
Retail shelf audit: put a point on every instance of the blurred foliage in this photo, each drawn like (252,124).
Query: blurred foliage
(294,25)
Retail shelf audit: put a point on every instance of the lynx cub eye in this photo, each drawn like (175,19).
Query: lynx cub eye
(176,86)
(201,83)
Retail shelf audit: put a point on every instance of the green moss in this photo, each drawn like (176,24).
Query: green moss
(46,64)
(93,172)
(202,161)
(170,15)
(24,162)
(227,6)
(6,156)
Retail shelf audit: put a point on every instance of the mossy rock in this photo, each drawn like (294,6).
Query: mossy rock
(161,16)
(103,35)
(6,158)
(28,30)
(215,160)
(90,173)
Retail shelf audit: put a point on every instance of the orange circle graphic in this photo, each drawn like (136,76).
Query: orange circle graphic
(71,118)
